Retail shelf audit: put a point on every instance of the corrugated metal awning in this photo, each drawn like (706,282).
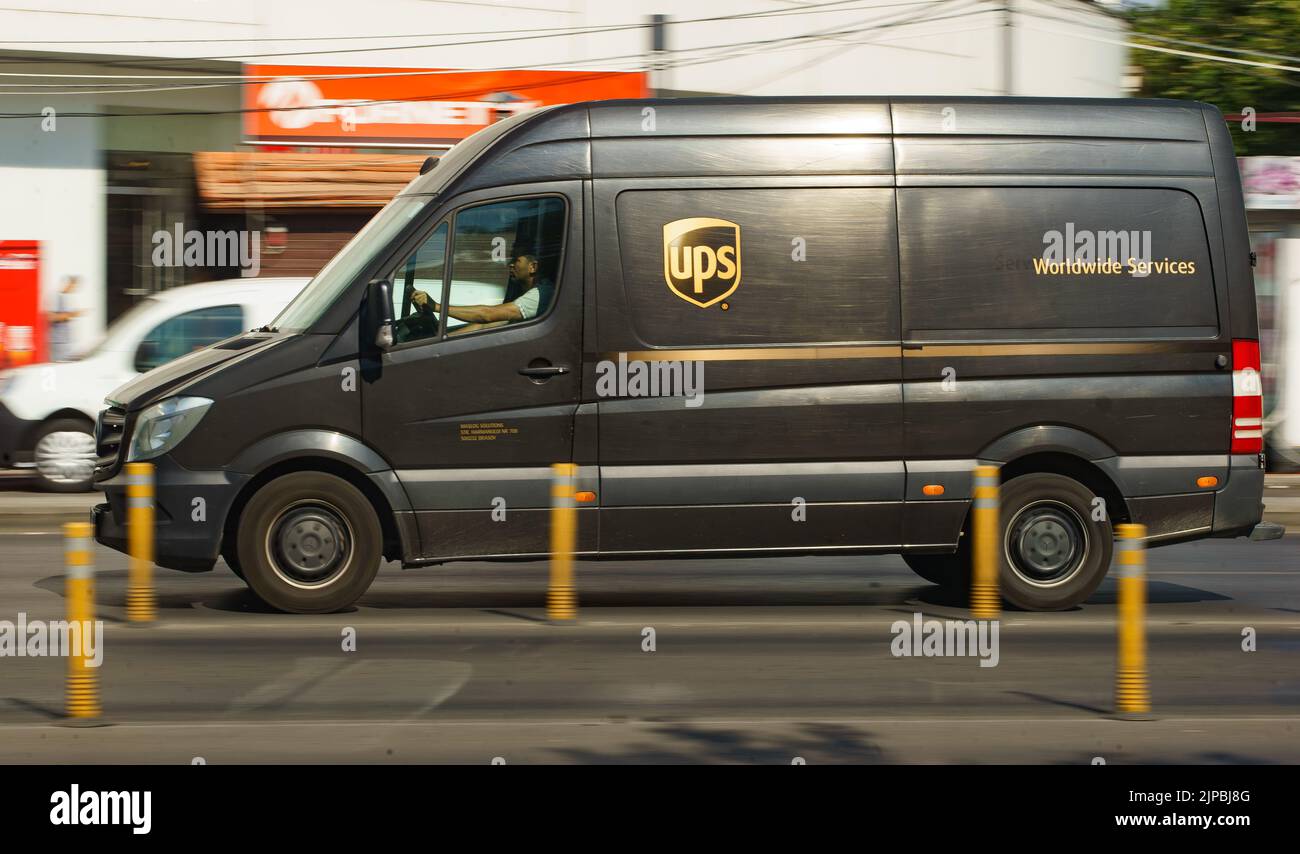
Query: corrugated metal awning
(236,180)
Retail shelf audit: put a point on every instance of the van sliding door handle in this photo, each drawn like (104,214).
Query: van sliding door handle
(543,371)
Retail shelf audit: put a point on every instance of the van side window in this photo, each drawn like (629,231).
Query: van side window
(417,286)
(186,333)
(1054,263)
(505,263)
(759,266)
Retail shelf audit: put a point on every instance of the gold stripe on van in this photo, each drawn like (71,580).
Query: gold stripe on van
(1073,349)
(892,351)
(758,354)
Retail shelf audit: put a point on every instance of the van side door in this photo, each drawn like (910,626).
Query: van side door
(476,398)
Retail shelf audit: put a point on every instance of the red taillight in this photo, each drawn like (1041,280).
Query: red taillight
(1247,399)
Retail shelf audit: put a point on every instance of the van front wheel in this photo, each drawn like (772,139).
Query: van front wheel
(309,543)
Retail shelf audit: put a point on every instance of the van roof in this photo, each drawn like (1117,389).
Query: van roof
(1153,118)
(832,135)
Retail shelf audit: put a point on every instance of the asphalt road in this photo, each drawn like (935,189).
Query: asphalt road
(755,661)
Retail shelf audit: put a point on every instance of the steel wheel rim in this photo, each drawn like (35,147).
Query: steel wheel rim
(1046,543)
(310,544)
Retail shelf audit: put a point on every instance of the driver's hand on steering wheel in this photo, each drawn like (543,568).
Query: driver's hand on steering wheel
(423,303)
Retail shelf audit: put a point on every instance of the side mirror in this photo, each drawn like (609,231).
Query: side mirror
(381,308)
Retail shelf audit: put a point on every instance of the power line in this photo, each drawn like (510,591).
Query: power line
(530,35)
(242,80)
(817,8)
(1209,56)
(1165,39)
(444,96)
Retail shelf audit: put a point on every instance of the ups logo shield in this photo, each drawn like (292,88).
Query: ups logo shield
(702,259)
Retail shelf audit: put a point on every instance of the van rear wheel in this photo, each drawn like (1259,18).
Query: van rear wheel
(309,543)
(1054,553)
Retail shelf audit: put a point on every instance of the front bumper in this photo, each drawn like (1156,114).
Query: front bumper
(190,510)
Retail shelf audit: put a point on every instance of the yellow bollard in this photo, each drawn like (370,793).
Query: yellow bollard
(561,600)
(141,604)
(1132,695)
(985,601)
(79,589)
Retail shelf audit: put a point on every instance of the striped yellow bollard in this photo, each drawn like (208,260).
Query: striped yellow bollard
(1132,695)
(79,589)
(561,600)
(141,605)
(985,601)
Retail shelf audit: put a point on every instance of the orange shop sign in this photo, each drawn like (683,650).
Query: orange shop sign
(323,105)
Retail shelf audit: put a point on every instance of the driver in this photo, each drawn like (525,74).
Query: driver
(529,304)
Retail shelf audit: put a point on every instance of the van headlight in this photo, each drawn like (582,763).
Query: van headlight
(162,426)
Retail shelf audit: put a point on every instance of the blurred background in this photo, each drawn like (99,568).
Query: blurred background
(295,120)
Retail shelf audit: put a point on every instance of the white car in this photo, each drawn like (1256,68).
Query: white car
(47,411)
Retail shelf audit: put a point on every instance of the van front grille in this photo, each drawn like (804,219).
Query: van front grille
(108,440)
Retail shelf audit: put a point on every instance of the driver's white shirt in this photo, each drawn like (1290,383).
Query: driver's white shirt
(528,302)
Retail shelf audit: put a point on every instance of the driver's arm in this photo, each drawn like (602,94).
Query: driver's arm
(470,313)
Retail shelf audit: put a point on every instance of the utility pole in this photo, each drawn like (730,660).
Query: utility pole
(658,44)
(1008,50)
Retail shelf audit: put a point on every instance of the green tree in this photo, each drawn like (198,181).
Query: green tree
(1269,26)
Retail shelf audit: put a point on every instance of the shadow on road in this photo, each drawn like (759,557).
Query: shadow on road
(221,591)
(688,744)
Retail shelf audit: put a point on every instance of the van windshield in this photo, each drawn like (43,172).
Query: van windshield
(344,267)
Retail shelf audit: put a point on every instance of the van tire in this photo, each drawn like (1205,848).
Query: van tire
(309,543)
(1061,553)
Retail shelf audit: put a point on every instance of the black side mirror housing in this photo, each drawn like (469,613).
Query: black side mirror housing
(380,308)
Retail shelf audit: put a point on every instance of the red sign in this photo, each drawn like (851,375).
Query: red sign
(366,107)
(22,332)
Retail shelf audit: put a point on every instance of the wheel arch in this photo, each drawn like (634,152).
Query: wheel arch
(1076,468)
(38,427)
(329,452)
(378,500)
(1057,449)
(71,413)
